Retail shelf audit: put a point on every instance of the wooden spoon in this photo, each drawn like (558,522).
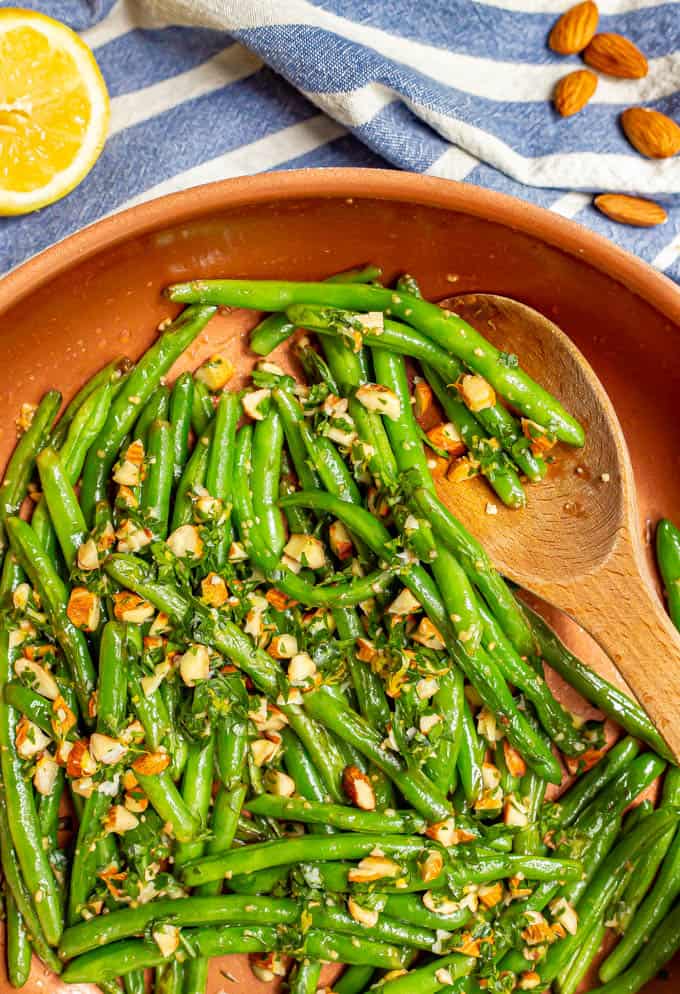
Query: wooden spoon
(578,544)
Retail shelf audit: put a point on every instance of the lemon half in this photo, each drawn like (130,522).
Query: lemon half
(54,110)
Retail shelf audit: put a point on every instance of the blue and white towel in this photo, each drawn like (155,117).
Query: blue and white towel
(206,89)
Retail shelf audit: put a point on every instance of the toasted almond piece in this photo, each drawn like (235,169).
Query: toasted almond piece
(127,474)
(375,397)
(372,868)
(132,537)
(529,980)
(462,469)
(267,966)
(252,403)
(585,761)
(438,465)
(283,647)
(279,783)
(340,541)
(301,669)
(469,946)
(186,541)
(563,912)
(136,801)
(83,786)
(150,764)
(80,762)
(88,556)
(83,609)
(405,603)
(126,497)
(431,867)
(365,916)
(214,591)
(29,739)
(105,749)
(120,820)
(446,436)
(427,722)
(491,894)
(428,635)
(41,679)
(439,905)
(491,776)
(63,751)
(636,211)
(307,550)
(263,751)
(166,937)
(477,393)
(446,833)
(215,372)
(652,133)
(365,650)
(513,760)
(358,788)
(45,774)
(237,553)
(132,608)
(574,91)
(574,29)
(334,406)
(194,664)
(422,398)
(541,439)
(615,55)
(488,727)
(426,687)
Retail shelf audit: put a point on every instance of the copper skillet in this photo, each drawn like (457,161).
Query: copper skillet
(95,296)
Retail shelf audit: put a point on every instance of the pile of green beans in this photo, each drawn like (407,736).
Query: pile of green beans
(283,698)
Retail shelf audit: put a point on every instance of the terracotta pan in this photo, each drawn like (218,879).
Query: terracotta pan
(96,295)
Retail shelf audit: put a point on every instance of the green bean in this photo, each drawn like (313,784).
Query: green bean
(362,274)
(570,978)
(566,809)
(308,783)
(225,816)
(605,885)
(323,751)
(157,486)
(202,409)
(292,417)
(448,700)
(168,803)
(219,479)
(131,921)
(19,469)
(134,982)
(410,908)
(431,978)
(604,695)
(156,408)
(62,503)
(446,329)
(265,473)
(283,852)
(417,789)
(661,948)
(368,686)
(305,977)
(36,708)
(484,449)
(334,946)
(47,581)
(196,794)
(334,918)
(655,906)
(192,477)
(17,944)
(22,815)
(48,815)
(106,377)
(354,980)
(143,381)
(668,558)
(181,403)
(338,815)
(169,977)
(261,882)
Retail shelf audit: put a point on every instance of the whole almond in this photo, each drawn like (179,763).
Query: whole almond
(574,29)
(631,210)
(616,56)
(574,91)
(651,132)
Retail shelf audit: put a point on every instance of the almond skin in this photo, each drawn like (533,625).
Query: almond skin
(575,28)
(615,55)
(651,132)
(631,210)
(574,91)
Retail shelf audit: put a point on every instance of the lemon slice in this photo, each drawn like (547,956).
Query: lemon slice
(54,110)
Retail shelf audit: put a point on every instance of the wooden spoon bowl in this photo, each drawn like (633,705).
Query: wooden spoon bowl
(578,543)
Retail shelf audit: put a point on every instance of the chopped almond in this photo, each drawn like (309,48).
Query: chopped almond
(365,650)
(513,760)
(427,722)
(120,820)
(136,801)
(365,916)
(127,474)
(167,938)
(214,591)
(427,687)
(267,966)
(477,393)
(404,603)
(88,556)
(538,930)
(106,538)
(278,600)
(83,609)
(491,894)
(358,788)
(135,452)
(83,786)
(80,762)
(462,469)
(254,403)
(529,980)
(41,680)
(514,813)
(306,550)
(237,554)
(62,752)
(263,751)
(216,372)
(428,635)
(564,913)
(340,541)
(302,670)
(432,866)
(279,783)
(446,833)
(541,439)
(132,608)
(194,664)
(126,497)
(150,764)
(186,541)
(585,761)
(491,776)
(132,537)
(375,397)
(422,394)
(283,647)
(45,774)
(373,868)
(105,749)
(447,437)
(438,904)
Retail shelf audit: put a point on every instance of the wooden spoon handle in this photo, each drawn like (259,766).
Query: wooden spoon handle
(623,612)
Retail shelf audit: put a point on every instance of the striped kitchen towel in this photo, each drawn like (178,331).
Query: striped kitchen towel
(205,89)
